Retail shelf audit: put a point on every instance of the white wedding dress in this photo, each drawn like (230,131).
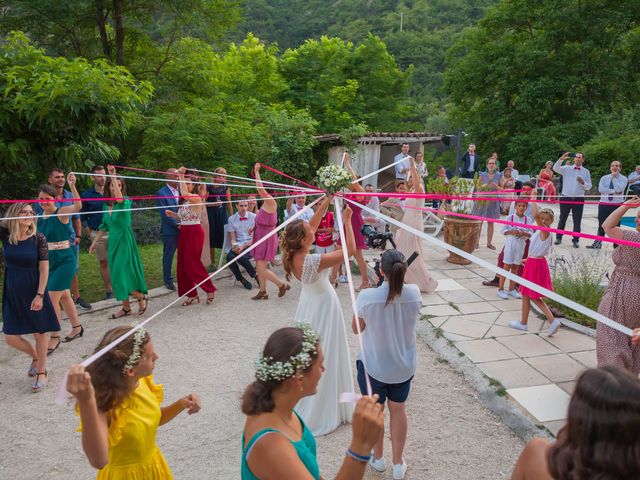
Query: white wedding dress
(319,305)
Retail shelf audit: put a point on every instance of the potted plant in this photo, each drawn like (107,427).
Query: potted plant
(459,232)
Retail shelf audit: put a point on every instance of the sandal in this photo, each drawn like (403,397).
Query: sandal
(364,286)
(121,313)
(50,350)
(33,371)
(145,299)
(261,295)
(283,289)
(210,298)
(68,339)
(190,301)
(491,247)
(39,384)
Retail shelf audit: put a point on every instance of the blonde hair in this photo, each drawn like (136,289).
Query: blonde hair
(13,226)
(220,170)
(549,212)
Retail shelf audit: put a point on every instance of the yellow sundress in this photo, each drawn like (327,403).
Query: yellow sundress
(133,453)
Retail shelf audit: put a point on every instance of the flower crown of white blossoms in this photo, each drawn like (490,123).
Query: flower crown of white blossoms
(138,337)
(267,369)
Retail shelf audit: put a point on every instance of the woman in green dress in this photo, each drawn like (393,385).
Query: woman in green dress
(54,225)
(125,266)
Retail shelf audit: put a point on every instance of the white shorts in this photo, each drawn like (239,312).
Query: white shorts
(327,249)
(514,250)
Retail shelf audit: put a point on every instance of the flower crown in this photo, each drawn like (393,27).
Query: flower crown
(267,369)
(138,337)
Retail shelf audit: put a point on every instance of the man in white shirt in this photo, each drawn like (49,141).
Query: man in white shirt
(402,168)
(512,165)
(240,226)
(168,199)
(294,205)
(634,180)
(611,188)
(421,166)
(576,180)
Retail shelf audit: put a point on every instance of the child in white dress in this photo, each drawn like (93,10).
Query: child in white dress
(514,247)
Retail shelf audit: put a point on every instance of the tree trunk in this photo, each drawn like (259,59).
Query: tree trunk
(101,16)
(119,29)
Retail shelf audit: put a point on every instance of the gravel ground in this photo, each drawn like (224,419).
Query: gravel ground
(210,350)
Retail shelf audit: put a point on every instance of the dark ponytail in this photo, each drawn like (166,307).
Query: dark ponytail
(394,267)
(282,344)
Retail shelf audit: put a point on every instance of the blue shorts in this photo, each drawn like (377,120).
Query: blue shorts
(396,392)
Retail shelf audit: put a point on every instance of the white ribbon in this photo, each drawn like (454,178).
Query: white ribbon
(357,180)
(494,268)
(62,391)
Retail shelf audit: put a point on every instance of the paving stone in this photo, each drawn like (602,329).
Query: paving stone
(588,358)
(467,328)
(448,284)
(544,402)
(535,324)
(460,296)
(528,345)
(571,341)
(500,331)
(507,305)
(455,337)
(486,293)
(437,321)
(554,426)
(486,350)
(462,273)
(439,310)
(438,274)
(567,386)
(432,299)
(557,368)
(513,373)
(488,317)
(476,307)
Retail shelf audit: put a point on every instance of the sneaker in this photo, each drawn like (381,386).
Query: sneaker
(575,245)
(342,279)
(108,296)
(378,464)
(597,245)
(170,286)
(399,470)
(558,241)
(246,283)
(82,304)
(503,294)
(514,293)
(553,328)
(518,326)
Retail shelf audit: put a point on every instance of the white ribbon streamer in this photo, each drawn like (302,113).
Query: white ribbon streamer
(357,180)
(494,268)
(62,391)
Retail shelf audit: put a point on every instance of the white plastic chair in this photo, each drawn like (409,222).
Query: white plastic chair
(226,246)
(431,223)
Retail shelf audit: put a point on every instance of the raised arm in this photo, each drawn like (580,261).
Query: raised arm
(610,225)
(416,182)
(116,186)
(182,186)
(317,215)
(269,204)
(95,429)
(77,203)
(557,167)
(354,187)
(328,260)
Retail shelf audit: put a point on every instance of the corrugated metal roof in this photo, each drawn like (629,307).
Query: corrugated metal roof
(387,137)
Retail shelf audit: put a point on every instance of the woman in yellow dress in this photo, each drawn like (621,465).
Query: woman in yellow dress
(119,407)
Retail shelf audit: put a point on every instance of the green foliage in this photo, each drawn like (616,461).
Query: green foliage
(344,85)
(535,78)
(56,111)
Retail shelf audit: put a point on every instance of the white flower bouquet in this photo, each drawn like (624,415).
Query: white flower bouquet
(333,178)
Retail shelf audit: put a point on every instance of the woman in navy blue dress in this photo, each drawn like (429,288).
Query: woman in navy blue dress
(26,307)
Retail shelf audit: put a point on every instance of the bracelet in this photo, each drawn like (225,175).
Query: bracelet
(358,458)
(41,295)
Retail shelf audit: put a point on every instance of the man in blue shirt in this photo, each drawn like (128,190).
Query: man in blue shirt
(57,180)
(93,210)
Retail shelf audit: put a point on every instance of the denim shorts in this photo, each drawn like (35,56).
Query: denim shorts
(396,392)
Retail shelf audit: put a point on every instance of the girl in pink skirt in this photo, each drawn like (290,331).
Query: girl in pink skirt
(536,270)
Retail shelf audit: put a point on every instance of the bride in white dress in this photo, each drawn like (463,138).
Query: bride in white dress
(319,305)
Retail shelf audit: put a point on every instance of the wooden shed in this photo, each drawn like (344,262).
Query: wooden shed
(376,150)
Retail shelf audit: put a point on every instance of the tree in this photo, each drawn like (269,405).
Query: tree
(536,77)
(56,111)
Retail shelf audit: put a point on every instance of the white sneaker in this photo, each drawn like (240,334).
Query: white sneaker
(378,464)
(514,293)
(399,470)
(342,279)
(553,328)
(518,326)
(503,294)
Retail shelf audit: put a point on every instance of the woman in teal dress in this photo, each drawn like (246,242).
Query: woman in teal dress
(54,225)
(275,441)
(125,266)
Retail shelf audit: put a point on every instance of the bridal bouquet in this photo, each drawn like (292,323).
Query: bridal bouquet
(333,178)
